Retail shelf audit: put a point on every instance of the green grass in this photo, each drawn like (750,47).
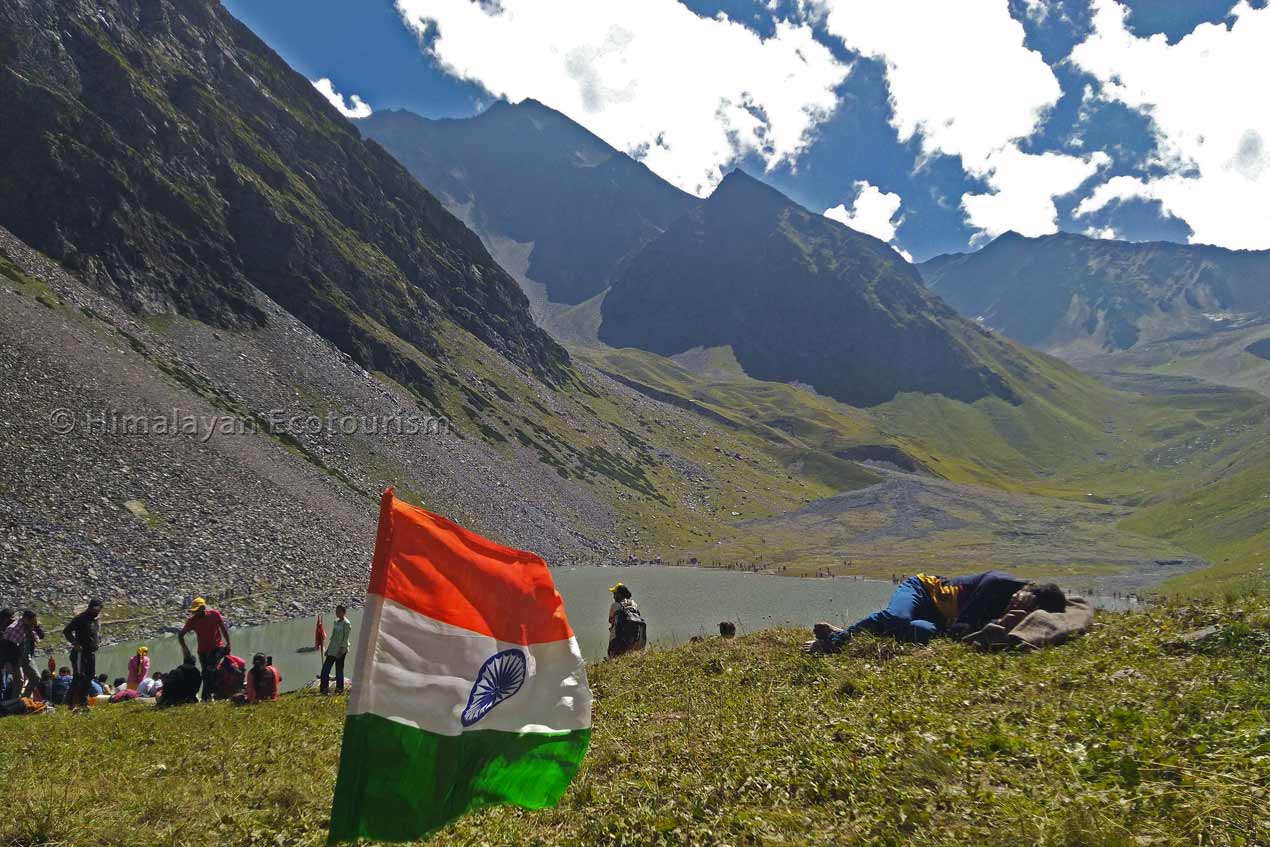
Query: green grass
(1113,739)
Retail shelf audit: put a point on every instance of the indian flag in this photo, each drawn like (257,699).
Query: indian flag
(470,690)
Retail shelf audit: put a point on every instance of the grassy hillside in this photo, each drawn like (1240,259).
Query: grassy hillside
(1228,357)
(1066,422)
(1118,738)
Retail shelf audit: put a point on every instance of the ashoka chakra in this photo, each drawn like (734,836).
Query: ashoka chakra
(500,677)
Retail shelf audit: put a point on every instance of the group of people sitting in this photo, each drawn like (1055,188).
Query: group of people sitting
(209,672)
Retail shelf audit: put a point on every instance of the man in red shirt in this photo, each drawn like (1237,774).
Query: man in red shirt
(212,634)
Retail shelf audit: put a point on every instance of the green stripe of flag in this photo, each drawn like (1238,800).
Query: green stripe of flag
(397,783)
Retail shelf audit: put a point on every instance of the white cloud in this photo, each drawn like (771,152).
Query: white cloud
(1114,190)
(964,84)
(1024,187)
(1037,10)
(874,212)
(1106,233)
(687,95)
(1206,100)
(959,75)
(358,109)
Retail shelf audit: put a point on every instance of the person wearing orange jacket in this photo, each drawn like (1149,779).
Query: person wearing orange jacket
(263,680)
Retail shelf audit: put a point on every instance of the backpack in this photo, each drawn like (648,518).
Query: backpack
(629,627)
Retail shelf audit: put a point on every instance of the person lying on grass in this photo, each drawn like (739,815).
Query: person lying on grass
(924,606)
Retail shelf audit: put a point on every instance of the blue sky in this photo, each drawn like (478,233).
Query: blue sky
(934,124)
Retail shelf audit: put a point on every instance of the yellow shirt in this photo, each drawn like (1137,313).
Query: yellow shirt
(944,596)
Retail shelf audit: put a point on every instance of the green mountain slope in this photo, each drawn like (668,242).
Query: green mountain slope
(164,152)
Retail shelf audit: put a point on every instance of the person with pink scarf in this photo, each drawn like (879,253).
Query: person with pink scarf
(138,667)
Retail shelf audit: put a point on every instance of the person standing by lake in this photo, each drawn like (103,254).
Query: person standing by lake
(138,667)
(336,651)
(627,630)
(6,620)
(212,642)
(83,634)
(16,648)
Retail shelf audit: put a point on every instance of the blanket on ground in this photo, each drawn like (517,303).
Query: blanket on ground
(1037,629)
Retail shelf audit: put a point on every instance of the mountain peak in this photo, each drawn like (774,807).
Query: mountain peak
(797,297)
(738,186)
(1009,236)
(604,204)
(528,104)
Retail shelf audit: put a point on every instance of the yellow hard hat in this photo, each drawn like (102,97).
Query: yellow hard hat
(199,603)
(614,588)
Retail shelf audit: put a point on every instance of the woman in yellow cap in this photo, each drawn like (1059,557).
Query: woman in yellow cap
(138,667)
(627,630)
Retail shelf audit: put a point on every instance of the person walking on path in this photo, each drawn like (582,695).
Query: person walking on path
(83,634)
(16,649)
(212,637)
(336,651)
(138,667)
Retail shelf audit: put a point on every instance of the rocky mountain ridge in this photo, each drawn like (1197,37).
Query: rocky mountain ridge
(798,297)
(524,174)
(1075,296)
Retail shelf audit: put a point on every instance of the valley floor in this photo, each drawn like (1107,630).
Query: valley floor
(908,523)
(1127,736)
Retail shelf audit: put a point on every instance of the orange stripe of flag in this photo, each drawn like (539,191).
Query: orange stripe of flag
(439,569)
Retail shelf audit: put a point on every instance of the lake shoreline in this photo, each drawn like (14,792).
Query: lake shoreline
(680,603)
(1134,585)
